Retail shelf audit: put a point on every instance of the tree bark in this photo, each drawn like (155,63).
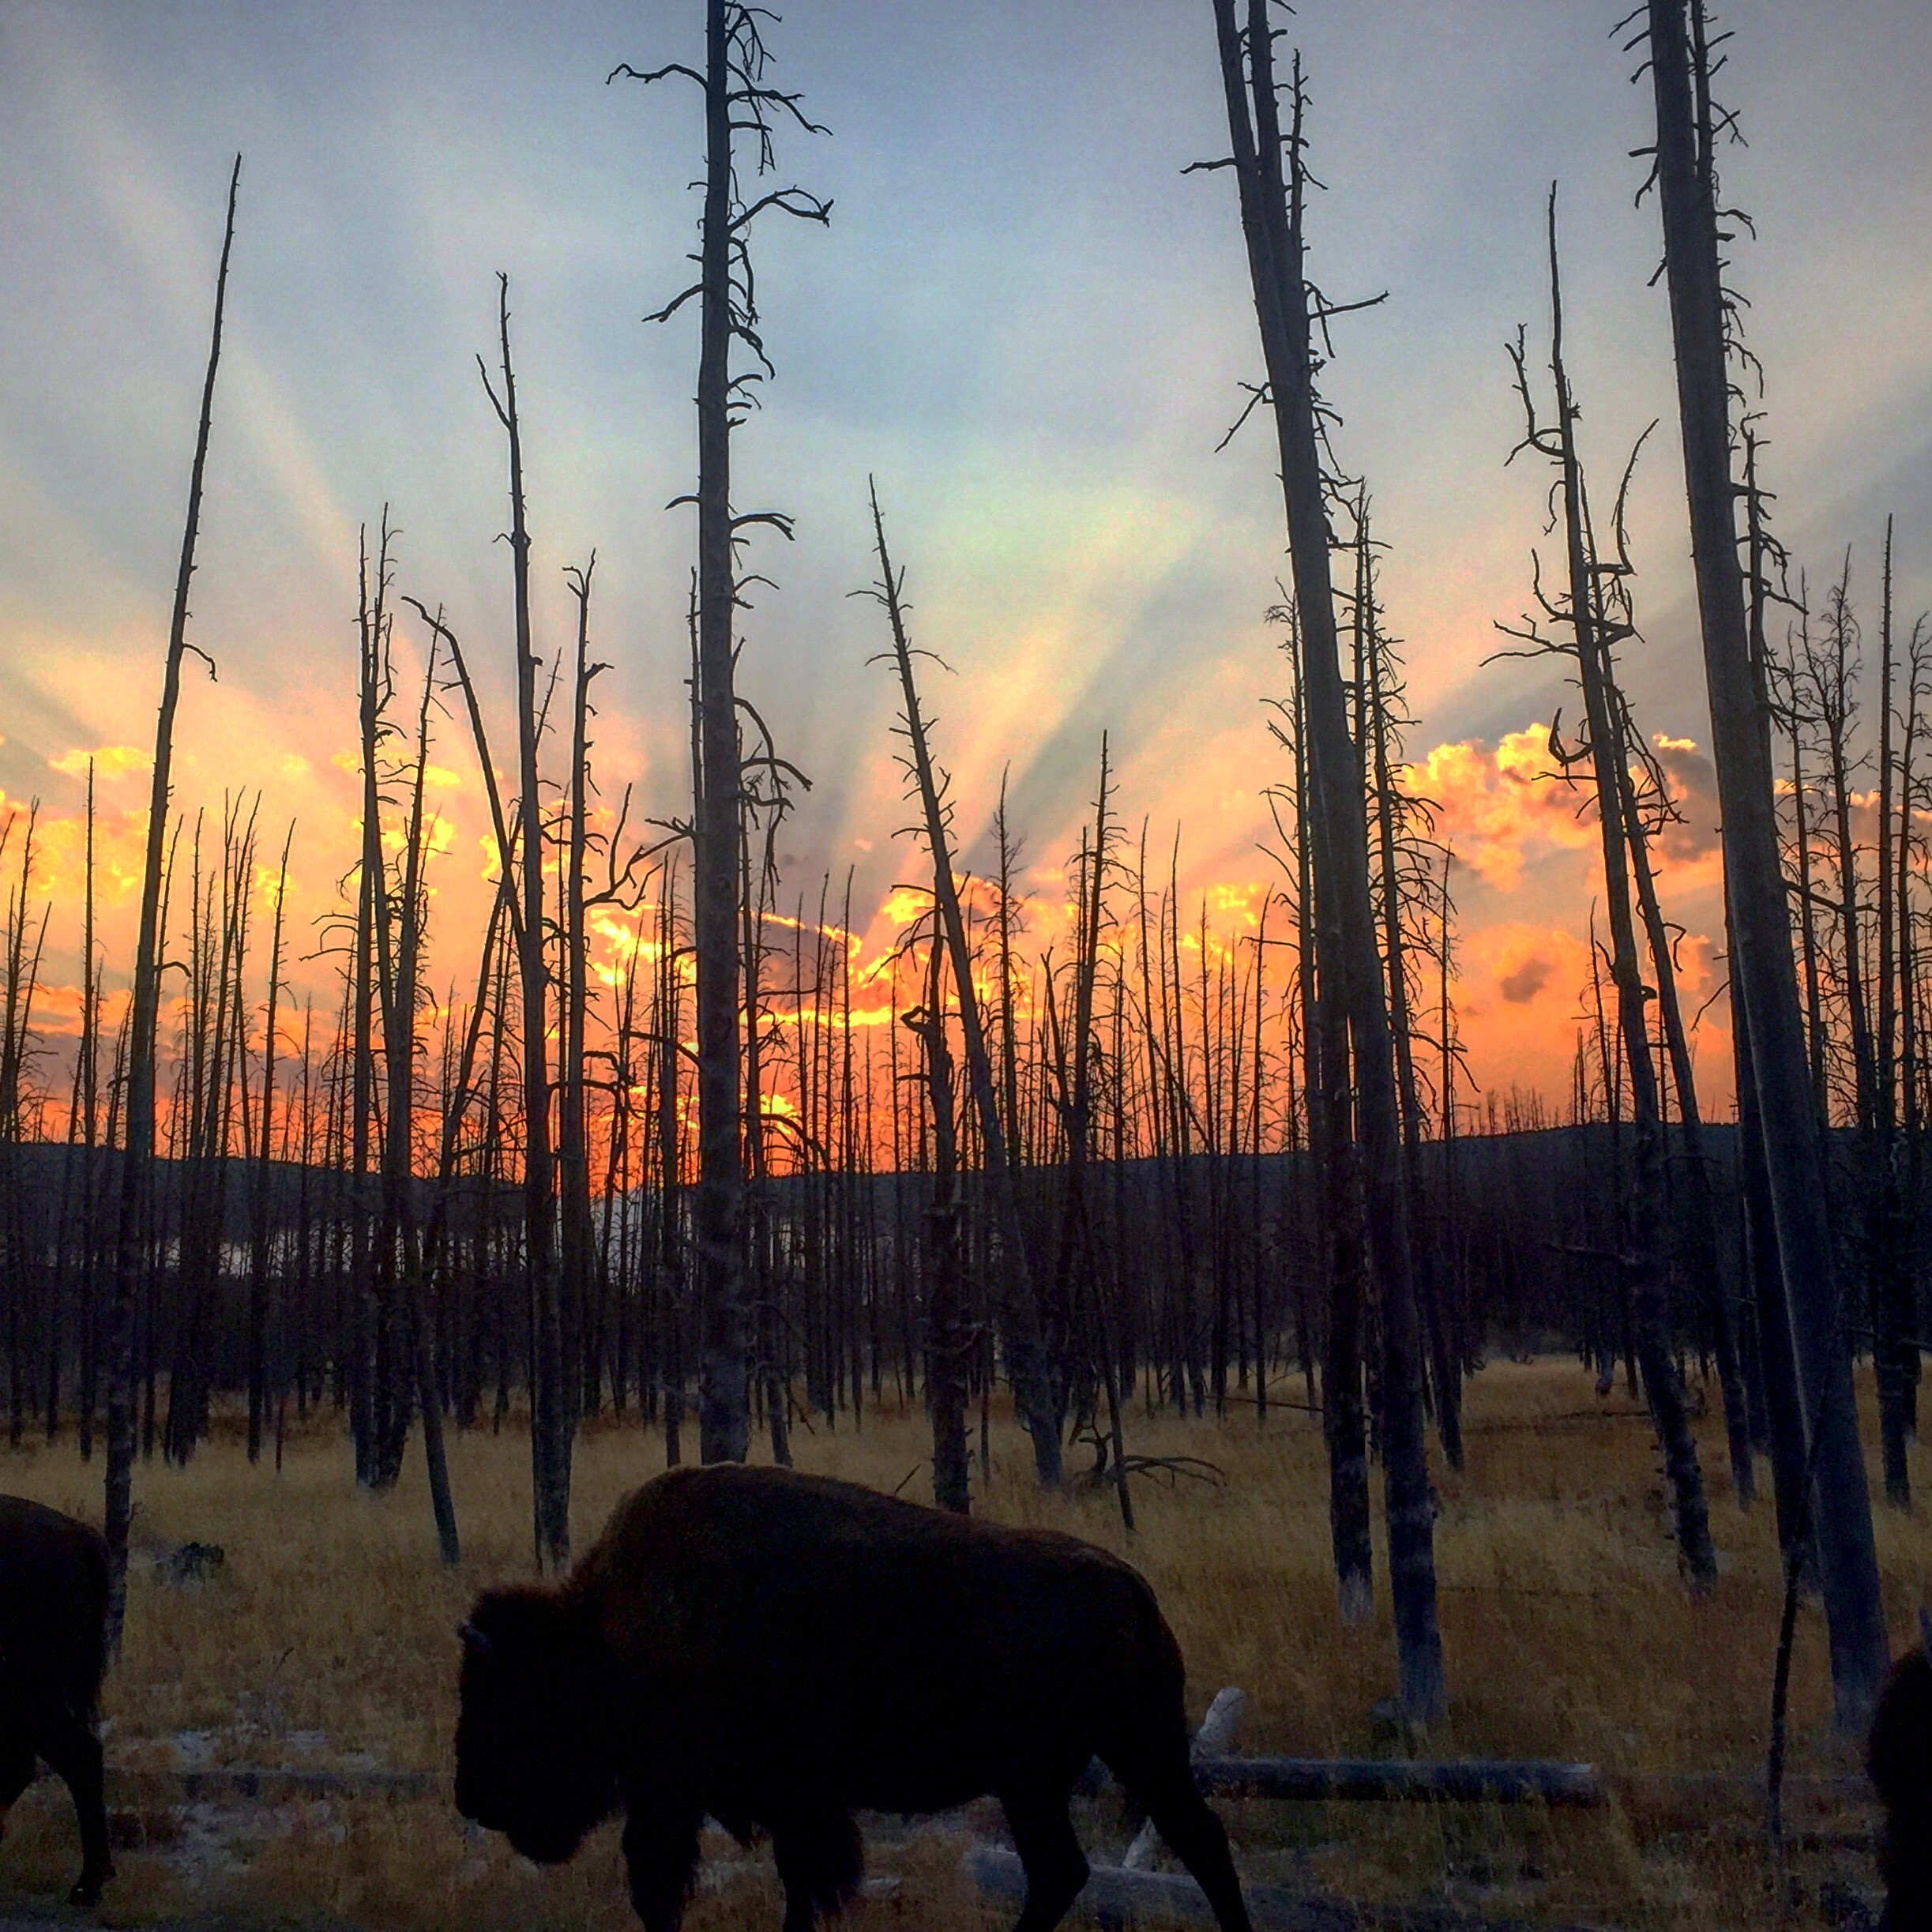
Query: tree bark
(1272,221)
(1761,967)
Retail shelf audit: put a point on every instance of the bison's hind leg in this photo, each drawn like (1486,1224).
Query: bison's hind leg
(1163,1782)
(821,1859)
(72,1753)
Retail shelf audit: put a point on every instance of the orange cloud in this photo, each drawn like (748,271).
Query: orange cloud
(109,761)
(1501,806)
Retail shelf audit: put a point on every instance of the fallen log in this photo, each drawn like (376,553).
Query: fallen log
(264,1784)
(1114,1893)
(1471,1781)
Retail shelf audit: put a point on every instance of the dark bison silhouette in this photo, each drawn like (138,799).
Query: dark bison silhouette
(53,1647)
(776,1650)
(1900,1759)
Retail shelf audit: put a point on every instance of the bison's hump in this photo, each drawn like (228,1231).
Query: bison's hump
(732,1510)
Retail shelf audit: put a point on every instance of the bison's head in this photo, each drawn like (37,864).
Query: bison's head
(534,1756)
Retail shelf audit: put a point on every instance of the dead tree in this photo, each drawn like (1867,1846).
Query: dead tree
(1685,171)
(1398,817)
(368,1389)
(1025,1354)
(1593,610)
(1895,1346)
(413,1341)
(738,101)
(138,1157)
(948,1341)
(550,1431)
(1288,310)
(259,1233)
(578,1252)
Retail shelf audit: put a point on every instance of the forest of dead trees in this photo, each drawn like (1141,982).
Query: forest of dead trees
(658,1143)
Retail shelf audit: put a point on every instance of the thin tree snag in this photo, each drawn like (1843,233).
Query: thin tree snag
(258,1240)
(1272,211)
(1379,685)
(138,1157)
(947,1340)
(1026,1357)
(578,1252)
(1762,969)
(550,1436)
(402,983)
(1895,1350)
(737,100)
(1593,611)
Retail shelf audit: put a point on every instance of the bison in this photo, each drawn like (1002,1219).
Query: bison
(52,1648)
(777,1651)
(1899,1758)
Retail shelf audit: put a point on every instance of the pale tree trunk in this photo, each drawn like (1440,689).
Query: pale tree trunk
(1271,219)
(1761,965)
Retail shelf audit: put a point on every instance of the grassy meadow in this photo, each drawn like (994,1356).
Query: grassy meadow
(327,1639)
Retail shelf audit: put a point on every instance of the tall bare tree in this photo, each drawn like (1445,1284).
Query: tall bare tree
(549,1429)
(1592,610)
(1762,971)
(739,100)
(1273,181)
(138,1156)
(1026,1354)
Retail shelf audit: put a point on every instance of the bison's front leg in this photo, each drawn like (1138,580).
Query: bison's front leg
(660,1854)
(1056,1867)
(821,1859)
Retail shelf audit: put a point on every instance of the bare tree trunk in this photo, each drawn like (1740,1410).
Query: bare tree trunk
(550,1436)
(947,1341)
(1761,966)
(732,69)
(1895,1346)
(1444,1370)
(579,1248)
(137,1156)
(1271,219)
(1026,1358)
(1586,614)
(258,1247)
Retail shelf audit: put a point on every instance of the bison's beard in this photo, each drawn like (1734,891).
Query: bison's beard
(546,1841)
(547,1833)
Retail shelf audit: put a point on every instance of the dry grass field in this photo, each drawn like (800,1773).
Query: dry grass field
(327,1639)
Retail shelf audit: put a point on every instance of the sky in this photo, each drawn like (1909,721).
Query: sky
(1024,319)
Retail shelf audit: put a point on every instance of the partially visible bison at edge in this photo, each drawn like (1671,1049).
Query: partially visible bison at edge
(1900,1759)
(777,1651)
(53,1649)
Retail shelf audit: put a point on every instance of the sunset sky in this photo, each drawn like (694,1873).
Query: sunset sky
(1023,319)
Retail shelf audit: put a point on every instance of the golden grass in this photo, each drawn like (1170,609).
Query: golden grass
(328,1639)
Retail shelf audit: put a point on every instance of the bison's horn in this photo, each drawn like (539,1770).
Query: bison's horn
(1925,1632)
(473,1639)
